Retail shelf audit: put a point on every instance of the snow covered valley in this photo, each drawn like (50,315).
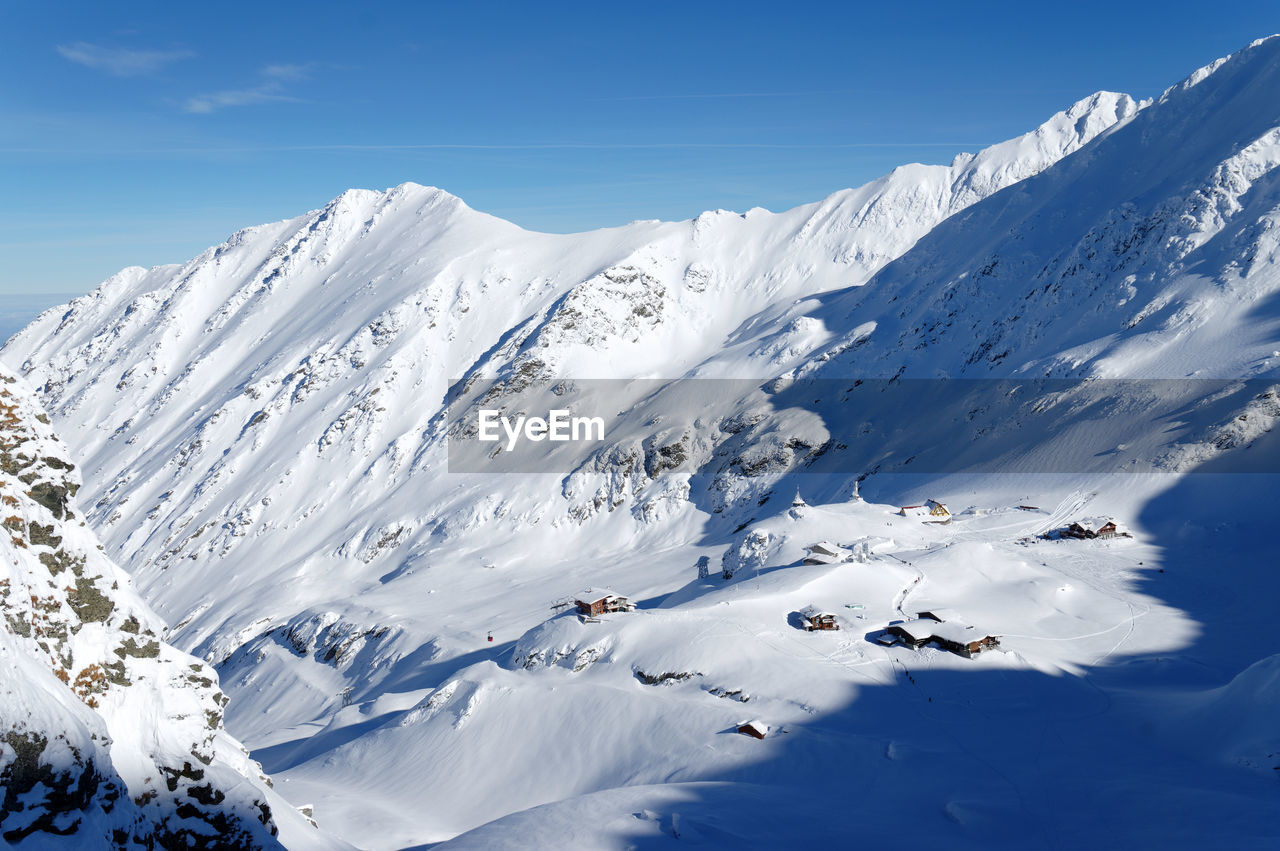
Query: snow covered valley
(277,443)
(1102,688)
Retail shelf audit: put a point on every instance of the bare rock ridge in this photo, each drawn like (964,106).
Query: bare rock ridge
(107,733)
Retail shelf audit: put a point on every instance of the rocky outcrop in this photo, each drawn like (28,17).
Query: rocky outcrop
(108,736)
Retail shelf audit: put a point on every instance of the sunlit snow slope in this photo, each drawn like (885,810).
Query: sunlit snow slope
(280,387)
(263,432)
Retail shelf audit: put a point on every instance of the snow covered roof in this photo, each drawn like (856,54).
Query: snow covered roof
(874,543)
(595,595)
(1093,523)
(825,552)
(929,507)
(958,632)
(814,612)
(759,726)
(918,629)
(940,613)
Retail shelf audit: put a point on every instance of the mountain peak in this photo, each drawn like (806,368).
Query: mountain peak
(1260,53)
(402,195)
(424,194)
(1065,131)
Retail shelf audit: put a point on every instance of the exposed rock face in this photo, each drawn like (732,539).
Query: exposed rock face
(749,552)
(107,734)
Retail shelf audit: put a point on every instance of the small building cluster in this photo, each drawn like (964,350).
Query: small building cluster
(1090,528)
(942,628)
(600,601)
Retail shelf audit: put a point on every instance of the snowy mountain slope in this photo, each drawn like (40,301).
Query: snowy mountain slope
(645,704)
(273,470)
(110,735)
(325,345)
(748,268)
(1151,254)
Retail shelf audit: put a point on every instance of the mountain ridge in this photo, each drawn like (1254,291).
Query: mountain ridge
(265,432)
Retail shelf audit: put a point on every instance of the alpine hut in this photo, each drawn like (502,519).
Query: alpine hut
(916,633)
(952,635)
(966,641)
(930,508)
(814,618)
(1094,527)
(599,601)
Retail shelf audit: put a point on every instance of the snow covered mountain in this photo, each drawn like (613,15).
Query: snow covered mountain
(1151,253)
(327,344)
(110,736)
(266,434)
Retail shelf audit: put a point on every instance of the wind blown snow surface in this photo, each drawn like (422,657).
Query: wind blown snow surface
(269,438)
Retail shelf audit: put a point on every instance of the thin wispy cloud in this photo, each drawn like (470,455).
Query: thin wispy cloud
(120,61)
(212,102)
(271,89)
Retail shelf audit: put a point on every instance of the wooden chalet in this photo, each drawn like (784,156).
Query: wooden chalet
(816,619)
(957,637)
(930,508)
(916,633)
(754,729)
(966,641)
(1094,527)
(600,601)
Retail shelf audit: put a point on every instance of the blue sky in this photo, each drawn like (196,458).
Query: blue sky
(141,133)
